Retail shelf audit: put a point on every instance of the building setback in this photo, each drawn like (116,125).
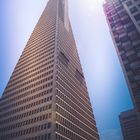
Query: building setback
(130,126)
(46,97)
(123,17)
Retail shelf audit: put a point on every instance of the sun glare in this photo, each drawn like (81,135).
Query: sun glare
(91,5)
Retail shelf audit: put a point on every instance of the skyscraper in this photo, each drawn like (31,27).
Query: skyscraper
(46,97)
(129,124)
(133,9)
(123,17)
(126,36)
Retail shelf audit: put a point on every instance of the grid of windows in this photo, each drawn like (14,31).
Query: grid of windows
(123,18)
(27,131)
(127,41)
(41,137)
(46,97)
(12,118)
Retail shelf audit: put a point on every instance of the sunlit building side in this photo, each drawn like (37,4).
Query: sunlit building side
(46,97)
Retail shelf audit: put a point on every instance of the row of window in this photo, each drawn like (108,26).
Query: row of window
(73,102)
(27,131)
(36,119)
(32,64)
(70,57)
(69,80)
(130,2)
(67,44)
(24,95)
(77,98)
(128,46)
(33,82)
(136,90)
(31,69)
(33,42)
(133,9)
(28,99)
(29,55)
(63,59)
(67,133)
(60,137)
(68,85)
(70,93)
(78,128)
(30,77)
(23,108)
(49,24)
(26,114)
(79,76)
(37,56)
(137,17)
(41,137)
(118,17)
(61,11)
(74,116)
(37,35)
(39,46)
(43,49)
(45,18)
(71,73)
(18,100)
(21,95)
(109,5)
(79,114)
(69,54)
(29,86)
(17,91)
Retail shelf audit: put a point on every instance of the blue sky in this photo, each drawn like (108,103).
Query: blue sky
(105,81)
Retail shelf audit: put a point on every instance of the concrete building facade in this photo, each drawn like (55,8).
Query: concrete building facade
(126,38)
(46,97)
(123,17)
(129,124)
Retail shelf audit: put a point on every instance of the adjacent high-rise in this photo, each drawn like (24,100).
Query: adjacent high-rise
(123,17)
(46,97)
(129,124)
(126,37)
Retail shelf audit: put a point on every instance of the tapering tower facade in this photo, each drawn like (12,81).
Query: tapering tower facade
(46,97)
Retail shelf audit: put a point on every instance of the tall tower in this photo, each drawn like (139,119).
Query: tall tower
(46,97)
(123,18)
(130,125)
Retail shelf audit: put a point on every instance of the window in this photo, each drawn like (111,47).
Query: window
(126,20)
(137,17)
(124,38)
(49,136)
(130,28)
(129,3)
(63,59)
(133,9)
(49,125)
(79,76)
